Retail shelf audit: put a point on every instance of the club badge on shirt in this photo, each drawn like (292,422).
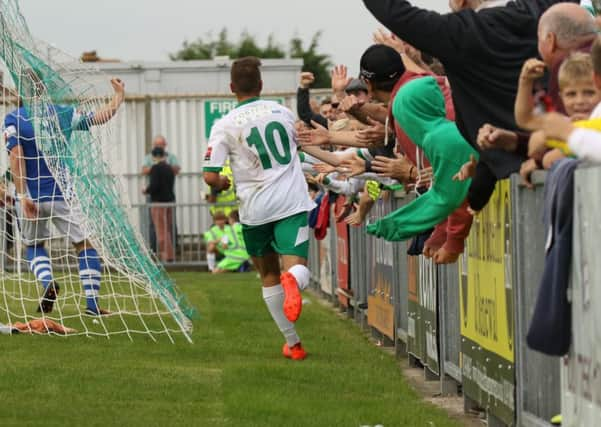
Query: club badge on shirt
(208,154)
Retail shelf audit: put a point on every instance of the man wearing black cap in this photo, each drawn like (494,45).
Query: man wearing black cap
(384,72)
(482,53)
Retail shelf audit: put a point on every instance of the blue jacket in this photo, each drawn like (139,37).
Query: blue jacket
(550,329)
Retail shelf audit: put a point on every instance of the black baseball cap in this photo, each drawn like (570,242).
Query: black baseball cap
(381,63)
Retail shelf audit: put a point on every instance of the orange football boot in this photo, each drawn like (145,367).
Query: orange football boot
(293,302)
(296,352)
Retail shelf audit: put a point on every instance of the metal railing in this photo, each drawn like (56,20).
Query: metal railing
(189,222)
(581,371)
(186,231)
(538,381)
(476,340)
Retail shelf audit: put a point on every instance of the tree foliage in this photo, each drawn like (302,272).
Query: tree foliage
(313,61)
(208,47)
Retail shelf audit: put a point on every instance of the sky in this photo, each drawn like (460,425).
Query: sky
(148,30)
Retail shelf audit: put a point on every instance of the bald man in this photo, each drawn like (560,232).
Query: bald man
(160,142)
(562,29)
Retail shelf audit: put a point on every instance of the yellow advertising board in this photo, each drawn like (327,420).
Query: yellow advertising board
(486,283)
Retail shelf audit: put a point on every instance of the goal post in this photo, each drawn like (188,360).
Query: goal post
(54,90)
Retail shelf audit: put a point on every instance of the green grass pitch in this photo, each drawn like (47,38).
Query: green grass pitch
(233,374)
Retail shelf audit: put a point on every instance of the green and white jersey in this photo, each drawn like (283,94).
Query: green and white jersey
(260,140)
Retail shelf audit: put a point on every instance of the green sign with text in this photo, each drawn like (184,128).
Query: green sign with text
(217,108)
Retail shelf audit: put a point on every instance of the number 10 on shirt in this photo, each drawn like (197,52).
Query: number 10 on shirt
(268,142)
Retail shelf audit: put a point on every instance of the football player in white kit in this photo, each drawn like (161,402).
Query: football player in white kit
(259,139)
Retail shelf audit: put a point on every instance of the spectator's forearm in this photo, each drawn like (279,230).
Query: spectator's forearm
(334,159)
(366,203)
(303,105)
(339,94)
(304,111)
(346,139)
(410,65)
(377,112)
(347,187)
(524,107)
(427,31)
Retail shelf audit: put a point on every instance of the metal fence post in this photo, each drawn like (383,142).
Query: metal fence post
(581,375)
(401,283)
(537,375)
(449,327)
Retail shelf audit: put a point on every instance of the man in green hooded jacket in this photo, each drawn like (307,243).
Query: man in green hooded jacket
(419,109)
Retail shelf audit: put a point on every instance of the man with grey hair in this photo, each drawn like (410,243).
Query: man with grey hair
(562,29)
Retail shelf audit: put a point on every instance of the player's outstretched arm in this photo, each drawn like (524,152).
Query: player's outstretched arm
(106,113)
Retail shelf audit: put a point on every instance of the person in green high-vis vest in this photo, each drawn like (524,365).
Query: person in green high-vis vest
(224,200)
(419,108)
(213,237)
(234,249)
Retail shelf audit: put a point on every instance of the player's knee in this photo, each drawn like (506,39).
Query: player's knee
(289,261)
(302,275)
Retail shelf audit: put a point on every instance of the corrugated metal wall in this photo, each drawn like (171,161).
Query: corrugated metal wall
(181,119)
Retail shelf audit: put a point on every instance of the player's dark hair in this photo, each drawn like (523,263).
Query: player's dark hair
(246,76)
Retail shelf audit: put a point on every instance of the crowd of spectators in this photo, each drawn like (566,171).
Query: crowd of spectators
(447,104)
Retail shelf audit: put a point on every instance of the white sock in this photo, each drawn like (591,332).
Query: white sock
(302,276)
(274,298)
(211,261)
